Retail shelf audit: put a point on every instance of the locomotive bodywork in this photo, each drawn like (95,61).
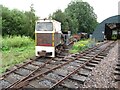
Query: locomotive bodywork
(47,37)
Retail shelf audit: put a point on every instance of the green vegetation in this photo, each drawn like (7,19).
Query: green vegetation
(77,17)
(80,46)
(114,36)
(15,50)
(15,25)
(15,22)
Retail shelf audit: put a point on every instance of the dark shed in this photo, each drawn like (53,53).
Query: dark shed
(99,32)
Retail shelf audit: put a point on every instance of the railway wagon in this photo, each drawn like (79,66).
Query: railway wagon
(47,36)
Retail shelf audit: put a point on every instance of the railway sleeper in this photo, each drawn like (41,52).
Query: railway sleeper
(104,54)
(86,57)
(46,83)
(41,71)
(83,59)
(80,62)
(4,84)
(100,56)
(69,68)
(23,72)
(70,84)
(37,84)
(117,73)
(61,72)
(95,62)
(57,59)
(50,66)
(31,67)
(88,68)
(118,64)
(53,77)
(28,87)
(117,77)
(84,72)
(97,59)
(79,78)
(117,68)
(75,64)
(118,61)
(74,55)
(11,68)
(69,58)
(118,85)
(13,77)
(90,55)
(91,64)
(37,63)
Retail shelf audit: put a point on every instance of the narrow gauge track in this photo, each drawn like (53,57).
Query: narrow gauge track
(117,69)
(40,75)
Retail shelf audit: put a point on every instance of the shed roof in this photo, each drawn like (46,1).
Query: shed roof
(98,32)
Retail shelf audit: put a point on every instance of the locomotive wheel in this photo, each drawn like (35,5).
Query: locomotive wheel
(60,49)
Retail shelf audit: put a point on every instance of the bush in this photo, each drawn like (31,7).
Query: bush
(80,46)
(16,41)
(15,50)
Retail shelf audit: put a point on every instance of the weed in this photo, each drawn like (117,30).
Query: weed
(15,50)
(80,46)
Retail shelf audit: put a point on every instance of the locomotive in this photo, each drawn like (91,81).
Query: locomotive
(49,38)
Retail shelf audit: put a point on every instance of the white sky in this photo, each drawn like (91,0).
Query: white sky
(103,8)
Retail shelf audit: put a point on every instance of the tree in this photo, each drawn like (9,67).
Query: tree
(31,18)
(83,18)
(0,21)
(77,17)
(61,17)
(15,22)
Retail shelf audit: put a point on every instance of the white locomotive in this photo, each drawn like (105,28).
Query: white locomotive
(48,36)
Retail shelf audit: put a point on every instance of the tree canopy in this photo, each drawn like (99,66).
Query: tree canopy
(15,22)
(61,17)
(77,17)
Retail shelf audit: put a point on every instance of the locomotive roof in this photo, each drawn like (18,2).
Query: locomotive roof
(47,20)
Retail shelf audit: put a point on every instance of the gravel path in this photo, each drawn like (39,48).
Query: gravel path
(102,75)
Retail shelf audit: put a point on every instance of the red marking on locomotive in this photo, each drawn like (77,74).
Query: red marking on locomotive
(45,45)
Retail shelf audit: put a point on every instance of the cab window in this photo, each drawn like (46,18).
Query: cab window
(44,26)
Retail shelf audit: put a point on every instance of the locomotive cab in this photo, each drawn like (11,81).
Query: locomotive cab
(47,37)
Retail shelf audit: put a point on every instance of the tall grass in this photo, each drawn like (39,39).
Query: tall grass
(16,42)
(81,45)
(15,50)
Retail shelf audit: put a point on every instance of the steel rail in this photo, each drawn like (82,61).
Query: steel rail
(41,66)
(76,70)
(5,74)
(21,84)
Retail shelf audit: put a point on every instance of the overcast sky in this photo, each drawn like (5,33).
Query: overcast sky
(103,8)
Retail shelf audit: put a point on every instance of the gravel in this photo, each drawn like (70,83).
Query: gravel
(46,83)
(102,76)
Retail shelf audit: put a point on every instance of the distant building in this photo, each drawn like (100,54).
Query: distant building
(107,28)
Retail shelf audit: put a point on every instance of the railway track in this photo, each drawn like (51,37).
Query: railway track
(117,69)
(67,71)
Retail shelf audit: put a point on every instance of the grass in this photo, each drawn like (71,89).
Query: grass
(16,50)
(81,45)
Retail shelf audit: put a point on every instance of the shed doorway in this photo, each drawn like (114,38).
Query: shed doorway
(112,31)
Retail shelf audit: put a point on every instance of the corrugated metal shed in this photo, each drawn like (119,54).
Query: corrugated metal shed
(98,32)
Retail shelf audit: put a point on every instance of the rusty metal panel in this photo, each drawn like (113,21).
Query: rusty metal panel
(57,38)
(44,39)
